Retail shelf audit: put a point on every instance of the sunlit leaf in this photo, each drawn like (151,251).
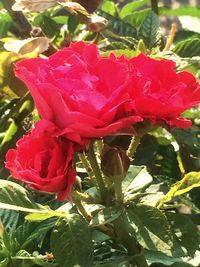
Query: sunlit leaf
(33,5)
(190,180)
(31,45)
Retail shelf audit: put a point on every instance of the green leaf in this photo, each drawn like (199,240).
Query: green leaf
(116,263)
(30,233)
(16,195)
(189,142)
(4,263)
(71,242)
(185,34)
(151,227)
(181,11)
(37,217)
(131,7)
(6,22)
(176,264)
(47,24)
(186,233)
(160,258)
(118,26)
(106,215)
(188,48)
(159,159)
(190,180)
(110,7)
(9,219)
(11,243)
(150,31)
(11,85)
(138,17)
(109,254)
(136,179)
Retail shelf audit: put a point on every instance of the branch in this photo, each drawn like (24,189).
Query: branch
(18,17)
(154,6)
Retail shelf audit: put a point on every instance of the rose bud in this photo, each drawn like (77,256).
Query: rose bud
(114,163)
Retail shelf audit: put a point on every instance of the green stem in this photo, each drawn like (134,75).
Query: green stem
(134,249)
(86,165)
(96,170)
(133,145)
(118,192)
(81,208)
(100,145)
(154,6)
(83,197)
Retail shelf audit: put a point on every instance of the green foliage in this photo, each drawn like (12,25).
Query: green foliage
(110,8)
(136,179)
(68,242)
(188,48)
(150,227)
(131,7)
(181,11)
(6,22)
(150,31)
(105,216)
(162,180)
(14,194)
(183,239)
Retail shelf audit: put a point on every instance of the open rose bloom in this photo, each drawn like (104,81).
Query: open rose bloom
(81,96)
(43,162)
(159,93)
(79,91)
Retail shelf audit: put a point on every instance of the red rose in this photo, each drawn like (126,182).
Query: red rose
(43,162)
(79,91)
(161,94)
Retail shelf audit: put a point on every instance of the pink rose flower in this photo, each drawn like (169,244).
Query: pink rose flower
(43,162)
(80,91)
(161,94)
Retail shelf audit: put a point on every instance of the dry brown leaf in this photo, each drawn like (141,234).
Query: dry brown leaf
(74,8)
(33,5)
(97,23)
(31,45)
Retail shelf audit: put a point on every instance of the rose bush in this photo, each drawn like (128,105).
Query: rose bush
(43,162)
(79,91)
(161,94)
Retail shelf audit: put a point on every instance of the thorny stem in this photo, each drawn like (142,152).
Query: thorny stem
(135,141)
(86,165)
(97,172)
(154,6)
(83,197)
(81,208)
(99,144)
